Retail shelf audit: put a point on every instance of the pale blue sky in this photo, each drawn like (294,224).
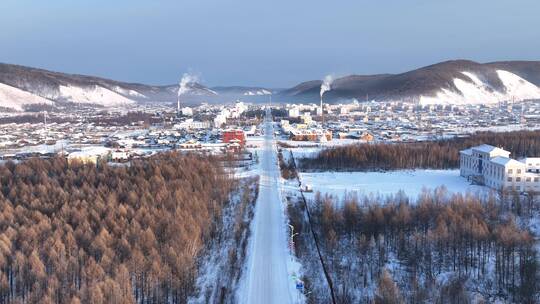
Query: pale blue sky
(275,43)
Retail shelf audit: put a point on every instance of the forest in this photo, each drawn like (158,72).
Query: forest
(74,233)
(443,248)
(443,154)
(286,167)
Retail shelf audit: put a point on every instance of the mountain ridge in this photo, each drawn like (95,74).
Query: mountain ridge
(449,82)
(444,80)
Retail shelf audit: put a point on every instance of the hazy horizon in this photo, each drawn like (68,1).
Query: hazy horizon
(246,43)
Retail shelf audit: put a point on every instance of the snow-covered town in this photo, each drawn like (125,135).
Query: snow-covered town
(269,152)
(208,128)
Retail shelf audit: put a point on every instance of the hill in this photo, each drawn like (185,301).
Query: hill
(450,82)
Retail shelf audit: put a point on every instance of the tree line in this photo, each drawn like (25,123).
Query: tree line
(286,167)
(442,154)
(75,233)
(394,251)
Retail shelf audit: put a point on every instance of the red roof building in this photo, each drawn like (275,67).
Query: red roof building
(234,136)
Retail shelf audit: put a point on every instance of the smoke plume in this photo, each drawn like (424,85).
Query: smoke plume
(185,82)
(326,84)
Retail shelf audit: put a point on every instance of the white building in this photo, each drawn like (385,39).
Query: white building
(187,111)
(238,109)
(294,112)
(306,118)
(192,124)
(120,155)
(220,120)
(493,167)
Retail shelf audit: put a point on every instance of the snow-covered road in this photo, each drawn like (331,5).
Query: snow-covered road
(266,279)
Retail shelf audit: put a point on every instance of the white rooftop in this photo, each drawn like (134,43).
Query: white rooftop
(466,151)
(487,148)
(504,161)
(530,159)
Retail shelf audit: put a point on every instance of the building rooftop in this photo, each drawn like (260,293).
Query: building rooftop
(466,151)
(504,161)
(487,148)
(530,160)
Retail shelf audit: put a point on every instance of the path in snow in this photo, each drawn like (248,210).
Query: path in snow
(266,278)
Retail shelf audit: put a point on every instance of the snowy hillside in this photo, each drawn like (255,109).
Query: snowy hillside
(92,95)
(193,89)
(449,82)
(15,99)
(477,91)
(242,91)
(127,92)
(257,93)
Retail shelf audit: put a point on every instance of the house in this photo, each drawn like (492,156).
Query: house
(120,156)
(190,145)
(234,134)
(250,131)
(363,136)
(233,146)
(491,166)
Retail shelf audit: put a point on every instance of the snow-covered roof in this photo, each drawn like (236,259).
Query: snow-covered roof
(530,160)
(466,151)
(486,148)
(505,161)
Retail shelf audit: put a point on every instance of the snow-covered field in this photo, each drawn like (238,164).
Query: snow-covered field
(386,183)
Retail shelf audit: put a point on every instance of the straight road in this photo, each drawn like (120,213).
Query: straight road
(267,280)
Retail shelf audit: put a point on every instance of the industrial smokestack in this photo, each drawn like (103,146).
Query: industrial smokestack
(183,87)
(325,87)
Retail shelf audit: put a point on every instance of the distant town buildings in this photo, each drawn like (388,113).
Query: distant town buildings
(191,124)
(220,119)
(187,111)
(493,167)
(311,135)
(294,112)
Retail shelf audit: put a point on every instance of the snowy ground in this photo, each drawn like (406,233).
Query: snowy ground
(385,183)
(270,267)
(218,273)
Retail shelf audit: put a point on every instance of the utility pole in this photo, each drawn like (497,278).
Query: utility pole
(292,240)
